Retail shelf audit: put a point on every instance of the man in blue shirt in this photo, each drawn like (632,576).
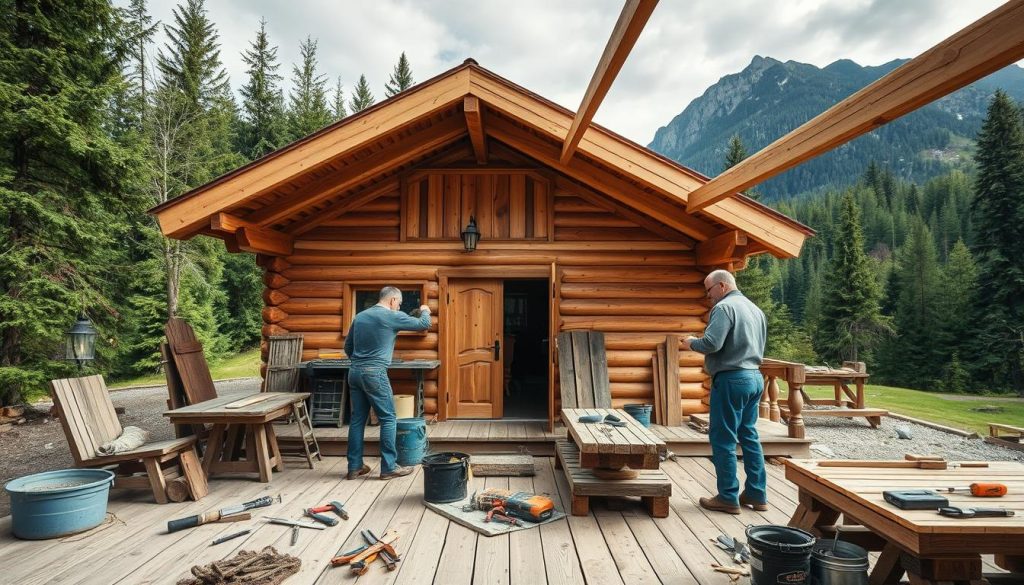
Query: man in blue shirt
(733,348)
(370,345)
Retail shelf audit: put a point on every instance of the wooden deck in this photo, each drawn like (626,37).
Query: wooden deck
(496,436)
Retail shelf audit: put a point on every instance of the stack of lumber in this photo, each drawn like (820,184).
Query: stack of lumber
(665,367)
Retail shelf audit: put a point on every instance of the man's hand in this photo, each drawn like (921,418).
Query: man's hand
(424,309)
(687,342)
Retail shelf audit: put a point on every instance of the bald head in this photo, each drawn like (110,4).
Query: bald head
(718,284)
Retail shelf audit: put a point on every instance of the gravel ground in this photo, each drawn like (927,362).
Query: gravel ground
(39,444)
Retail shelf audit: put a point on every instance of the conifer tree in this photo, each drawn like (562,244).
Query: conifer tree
(263,121)
(361,97)
(959,283)
(998,247)
(338,102)
(190,60)
(401,78)
(851,322)
(308,112)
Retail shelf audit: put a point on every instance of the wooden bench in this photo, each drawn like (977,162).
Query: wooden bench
(632,445)
(1005,436)
(651,485)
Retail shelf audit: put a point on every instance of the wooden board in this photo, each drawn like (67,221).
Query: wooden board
(673,411)
(605,446)
(192,368)
(501,465)
(583,370)
(653,486)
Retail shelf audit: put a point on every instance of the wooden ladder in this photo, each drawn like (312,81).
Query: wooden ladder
(309,445)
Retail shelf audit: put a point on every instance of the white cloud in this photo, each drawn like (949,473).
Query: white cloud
(552,48)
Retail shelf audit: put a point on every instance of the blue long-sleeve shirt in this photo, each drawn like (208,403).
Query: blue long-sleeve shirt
(735,336)
(371,337)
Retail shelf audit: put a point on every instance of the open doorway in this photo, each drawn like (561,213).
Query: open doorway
(526,316)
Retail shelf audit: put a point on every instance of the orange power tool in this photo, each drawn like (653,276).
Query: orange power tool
(524,505)
(980,490)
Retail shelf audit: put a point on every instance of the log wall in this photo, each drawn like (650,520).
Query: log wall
(613,275)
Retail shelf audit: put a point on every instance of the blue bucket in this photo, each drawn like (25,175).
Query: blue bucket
(411,440)
(58,503)
(641,412)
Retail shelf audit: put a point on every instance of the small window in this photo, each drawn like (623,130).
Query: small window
(361,296)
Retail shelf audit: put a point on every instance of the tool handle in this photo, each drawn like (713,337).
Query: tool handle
(230,536)
(988,490)
(191,521)
(320,509)
(321,518)
(339,509)
(258,503)
(992,513)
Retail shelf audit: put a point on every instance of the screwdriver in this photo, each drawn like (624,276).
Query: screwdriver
(980,490)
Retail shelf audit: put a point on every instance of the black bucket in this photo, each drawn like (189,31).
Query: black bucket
(779,555)
(445,476)
(838,563)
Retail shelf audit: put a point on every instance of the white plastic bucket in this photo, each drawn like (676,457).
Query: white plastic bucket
(404,406)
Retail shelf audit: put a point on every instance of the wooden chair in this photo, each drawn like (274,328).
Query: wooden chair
(283,357)
(89,421)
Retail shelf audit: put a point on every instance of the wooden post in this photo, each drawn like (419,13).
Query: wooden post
(795,378)
(774,414)
(764,408)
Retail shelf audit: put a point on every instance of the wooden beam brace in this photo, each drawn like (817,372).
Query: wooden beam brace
(985,46)
(347,204)
(348,177)
(627,30)
(475,125)
(599,179)
(244,235)
(721,249)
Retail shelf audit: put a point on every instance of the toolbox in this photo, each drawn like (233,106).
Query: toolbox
(915,499)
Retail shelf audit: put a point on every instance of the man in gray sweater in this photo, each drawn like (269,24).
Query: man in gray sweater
(370,345)
(733,348)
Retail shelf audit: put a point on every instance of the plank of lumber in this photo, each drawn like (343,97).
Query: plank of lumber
(248,401)
(983,47)
(625,34)
(673,411)
(502,465)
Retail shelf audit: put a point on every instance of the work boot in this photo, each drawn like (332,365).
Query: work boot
(357,472)
(397,472)
(760,507)
(716,505)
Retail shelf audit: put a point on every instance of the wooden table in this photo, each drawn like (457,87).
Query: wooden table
(930,548)
(237,419)
(611,447)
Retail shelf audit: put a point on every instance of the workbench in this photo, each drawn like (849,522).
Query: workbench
(930,548)
(239,419)
(331,408)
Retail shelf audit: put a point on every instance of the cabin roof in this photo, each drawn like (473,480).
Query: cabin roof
(348,161)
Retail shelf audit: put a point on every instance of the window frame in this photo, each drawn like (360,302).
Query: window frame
(349,298)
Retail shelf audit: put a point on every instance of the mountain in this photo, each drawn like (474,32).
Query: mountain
(769,98)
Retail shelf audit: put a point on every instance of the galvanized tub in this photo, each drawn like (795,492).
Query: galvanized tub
(58,503)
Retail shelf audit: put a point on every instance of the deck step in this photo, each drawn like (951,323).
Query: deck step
(651,485)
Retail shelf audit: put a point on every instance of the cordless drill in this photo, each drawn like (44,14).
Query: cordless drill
(524,505)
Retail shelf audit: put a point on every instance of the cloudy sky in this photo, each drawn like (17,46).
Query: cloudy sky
(552,46)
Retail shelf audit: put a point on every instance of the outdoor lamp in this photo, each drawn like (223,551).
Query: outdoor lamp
(470,235)
(81,341)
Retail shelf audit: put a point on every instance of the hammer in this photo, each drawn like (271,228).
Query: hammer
(334,506)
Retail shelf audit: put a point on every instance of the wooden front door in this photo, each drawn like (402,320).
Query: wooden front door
(475,314)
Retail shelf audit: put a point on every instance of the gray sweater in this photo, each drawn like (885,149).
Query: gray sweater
(371,338)
(735,335)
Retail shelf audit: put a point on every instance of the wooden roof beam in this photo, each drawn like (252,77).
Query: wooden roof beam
(627,30)
(475,125)
(251,237)
(722,249)
(345,205)
(985,46)
(361,171)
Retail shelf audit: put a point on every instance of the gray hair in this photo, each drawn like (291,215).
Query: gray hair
(389,291)
(725,276)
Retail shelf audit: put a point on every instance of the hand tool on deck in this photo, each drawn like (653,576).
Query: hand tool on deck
(323,519)
(955,512)
(389,561)
(230,536)
(235,517)
(334,506)
(288,522)
(499,513)
(344,558)
(978,490)
(920,464)
(915,499)
(200,519)
(589,418)
(295,535)
(523,505)
(360,562)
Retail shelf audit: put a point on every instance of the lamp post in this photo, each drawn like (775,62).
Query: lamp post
(81,341)
(470,235)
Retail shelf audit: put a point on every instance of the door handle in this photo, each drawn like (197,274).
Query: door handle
(497,350)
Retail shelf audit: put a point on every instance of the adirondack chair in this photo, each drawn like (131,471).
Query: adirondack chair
(283,357)
(89,421)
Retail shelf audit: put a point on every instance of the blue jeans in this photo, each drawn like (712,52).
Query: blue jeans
(734,400)
(369,386)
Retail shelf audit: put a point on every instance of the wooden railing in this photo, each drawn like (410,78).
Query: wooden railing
(794,374)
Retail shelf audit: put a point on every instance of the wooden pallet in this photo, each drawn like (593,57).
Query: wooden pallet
(1007,436)
(651,485)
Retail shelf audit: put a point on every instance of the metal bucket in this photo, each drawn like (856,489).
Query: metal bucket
(58,503)
(838,563)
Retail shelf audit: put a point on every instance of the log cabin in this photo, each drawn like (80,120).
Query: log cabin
(599,240)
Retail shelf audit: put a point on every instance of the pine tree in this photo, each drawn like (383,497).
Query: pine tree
(959,283)
(263,121)
(139,31)
(736,153)
(361,98)
(998,247)
(851,322)
(338,102)
(62,184)
(401,78)
(309,111)
(190,60)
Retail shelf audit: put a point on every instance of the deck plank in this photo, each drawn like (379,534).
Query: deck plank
(526,551)
(561,564)
(634,568)
(492,552)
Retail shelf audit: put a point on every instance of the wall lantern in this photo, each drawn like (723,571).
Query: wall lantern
(81,341)
(470,235)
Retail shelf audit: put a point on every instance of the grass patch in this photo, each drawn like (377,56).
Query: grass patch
(243,365)
(968,412)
